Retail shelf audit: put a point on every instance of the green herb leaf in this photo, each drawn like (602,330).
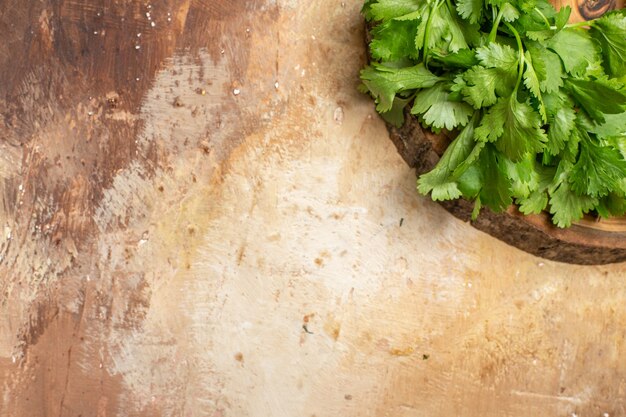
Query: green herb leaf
(385,82)
(599,169)
(394,40)
(439,182)
(437,110)
(596,98)
(547,66)
(609,31)
(566,206)
(514,127)
(575,48)
(496,190)
(389,9)
(471,10)
(531,81)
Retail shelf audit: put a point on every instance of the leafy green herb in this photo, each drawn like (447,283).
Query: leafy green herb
(539,105)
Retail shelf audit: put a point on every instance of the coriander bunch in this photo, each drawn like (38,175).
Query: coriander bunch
(539,105)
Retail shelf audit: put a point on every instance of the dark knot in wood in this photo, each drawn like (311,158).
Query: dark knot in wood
(592,9)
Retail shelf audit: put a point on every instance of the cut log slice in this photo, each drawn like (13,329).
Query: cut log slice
(590,241)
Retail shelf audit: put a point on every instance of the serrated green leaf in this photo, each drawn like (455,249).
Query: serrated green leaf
(454,37)
(496,190)
(438,181)
(597,99)
(599,169)
(509,12)
(535,203)
(389,9)
(531,81)
(471,10)
(561,125)
(524,178)
(437,110)
(480,86)
(547,66)
(614,125)
(385,82)
(537,200)
(444,31)
(484,85)
(464,58)
(394,40)
(496,55)
(565,205)
(575,48)
(540,35)
(610,32)
(514,127)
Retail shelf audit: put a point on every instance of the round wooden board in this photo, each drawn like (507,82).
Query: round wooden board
(590,241)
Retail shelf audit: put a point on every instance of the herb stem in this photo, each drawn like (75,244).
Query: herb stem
(450,7)
(494,29)
(520,47)
(585,23)
(426,49)
(543,16)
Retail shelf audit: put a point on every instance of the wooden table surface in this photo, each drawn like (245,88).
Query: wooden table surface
(202,217)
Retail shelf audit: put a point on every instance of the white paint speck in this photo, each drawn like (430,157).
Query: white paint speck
(95,32)
(144,238)
(139,35)
(137,46)
(313,37)
(153,24)
(236,91)
(605,414)
(276,85)
(540,264)
(338,115)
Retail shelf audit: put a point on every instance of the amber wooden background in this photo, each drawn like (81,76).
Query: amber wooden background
(216,224)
